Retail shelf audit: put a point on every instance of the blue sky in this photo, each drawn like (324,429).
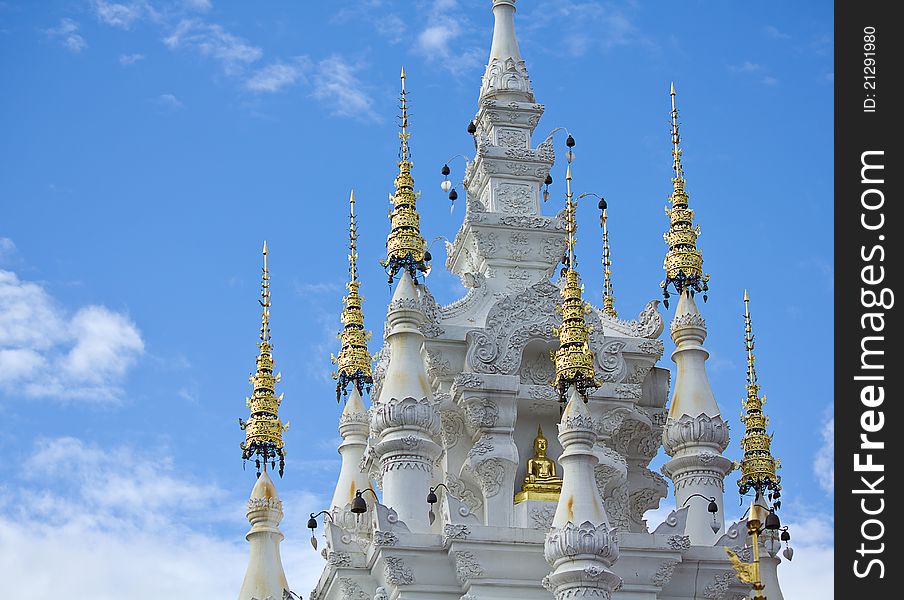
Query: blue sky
(149,146)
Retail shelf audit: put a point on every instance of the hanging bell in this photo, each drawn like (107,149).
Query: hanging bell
(472,128)
(453,195)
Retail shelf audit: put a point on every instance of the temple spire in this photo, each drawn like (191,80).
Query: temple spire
(608,295)
(758,465)
(574,358)
(405,247)
(354,362)
(263,430)
(683,261)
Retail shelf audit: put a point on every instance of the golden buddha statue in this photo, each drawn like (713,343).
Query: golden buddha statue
(540,481)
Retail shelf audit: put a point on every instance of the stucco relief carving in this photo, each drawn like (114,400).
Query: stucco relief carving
(489,475)
(538,370)
(385,538)
(405,412)
(541,516)
(382,363)
(351,590)
(430,327)
(453,531)
(571,540)
(511,137)
(481,413)
(467,566)
(513,198)
(687,430)
(663,575)
(453,426)
(518,247)
(437,366)
(471,501)
(513,322)
(679,542)
(719,585)
(610,360)
(396,572)
(688,320)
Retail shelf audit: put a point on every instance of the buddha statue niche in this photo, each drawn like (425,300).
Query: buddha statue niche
(540,481)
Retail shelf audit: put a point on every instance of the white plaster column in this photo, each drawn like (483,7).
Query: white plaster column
(580,546)
(354,428)
(405,421)
(264,577)
(695,434)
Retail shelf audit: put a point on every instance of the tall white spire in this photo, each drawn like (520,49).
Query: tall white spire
(264,577)
(695,434)
(505,44)
(580,546)
(506,74)
(405,422)
(353,427)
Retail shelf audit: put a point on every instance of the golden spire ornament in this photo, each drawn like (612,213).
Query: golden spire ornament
(574,358)
(758,465)
(405,247)
(354,362)
(263,430)
(683,261)
(608,296)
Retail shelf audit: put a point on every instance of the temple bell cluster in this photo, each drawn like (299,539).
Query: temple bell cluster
(505,454)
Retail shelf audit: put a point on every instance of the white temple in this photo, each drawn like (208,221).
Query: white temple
(460,393)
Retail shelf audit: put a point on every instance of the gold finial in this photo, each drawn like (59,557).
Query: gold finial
(608,296)
(683,261)
(354,362)
(574,358)
(540,480)
(758,465)
(405,247)
(263,430)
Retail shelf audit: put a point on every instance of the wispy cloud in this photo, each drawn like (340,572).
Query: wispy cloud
(66,33)
(46,352)
(755,71)
(343,92)
(277,76)
(810,574)
(775,33)
(125,516)
(212,41)
(169,102)
(7,248)
(824,462)
(130,59)
(123,14)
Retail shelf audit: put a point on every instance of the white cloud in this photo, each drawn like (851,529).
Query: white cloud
(775,33)
(339,87)
(169,101)
(210,40)
(276,76)
(811,573)
(198,5)
(824,462)
(434,40)
(67,34)
(7,248)
(130,59)
(746,67)
(115,522)
(122,14)
(46,353)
